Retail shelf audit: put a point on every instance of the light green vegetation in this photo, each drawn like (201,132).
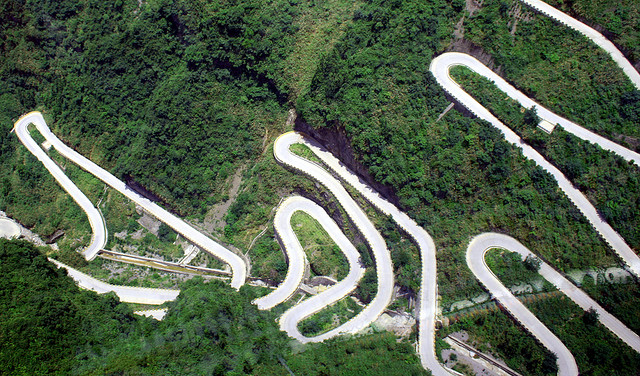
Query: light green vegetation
(318,28)
(120,273)
(324,256)
(512,269)
(305,152)
(329,318)
(142,307)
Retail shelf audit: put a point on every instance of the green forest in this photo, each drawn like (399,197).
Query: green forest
(52,327)
(183,100)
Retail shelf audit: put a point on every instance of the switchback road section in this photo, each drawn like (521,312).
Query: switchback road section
(476,251)
(440,67)
(238,266)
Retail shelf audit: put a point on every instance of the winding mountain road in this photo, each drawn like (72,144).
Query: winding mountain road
(440,67)
(297,259)
(238,266)
(427,304)
(96,221)
(476,251)
(384,268)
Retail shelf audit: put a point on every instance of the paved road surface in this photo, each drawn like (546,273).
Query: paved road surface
(384,268)
(296,256)
(238,266)
(99,235)
(590,33)
(157,314)
(476,252)
(127,294)
(427,306)
(440,68)
(441,65)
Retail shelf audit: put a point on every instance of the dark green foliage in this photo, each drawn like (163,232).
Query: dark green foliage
(49,326)
(239,208)
(368,286)
(590,316)
(457,177)
(532,263)
(364,355)
(531,117)
(47,321)
(170,95)
(510,267)
(618,299)
(611,184)
(210,329)
(597,351)
(165,233)
(329,318)
(630,106)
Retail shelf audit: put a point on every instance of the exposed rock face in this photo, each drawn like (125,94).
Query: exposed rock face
(55,236)
(468,47)
(338,143)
